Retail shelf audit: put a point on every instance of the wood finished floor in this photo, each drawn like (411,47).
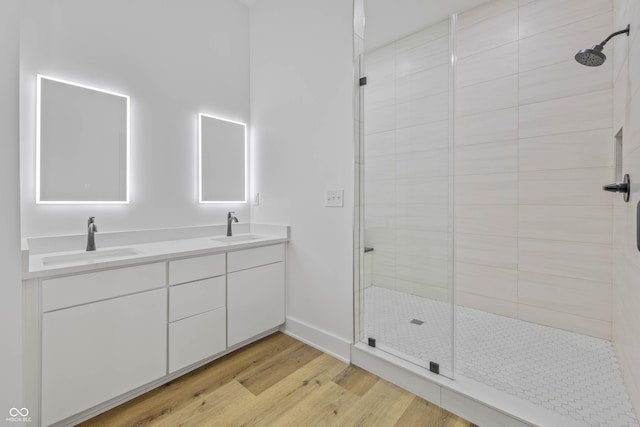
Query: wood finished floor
(277,381)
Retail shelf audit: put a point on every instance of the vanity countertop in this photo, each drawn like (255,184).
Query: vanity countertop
(47,258)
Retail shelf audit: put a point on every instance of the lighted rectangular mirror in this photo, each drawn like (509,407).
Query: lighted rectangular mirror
(222,160)
(82,144)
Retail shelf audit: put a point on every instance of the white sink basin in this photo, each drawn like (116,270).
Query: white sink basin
(88,256)
(237,238)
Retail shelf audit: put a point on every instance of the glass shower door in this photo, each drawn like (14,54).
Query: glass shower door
(406,280)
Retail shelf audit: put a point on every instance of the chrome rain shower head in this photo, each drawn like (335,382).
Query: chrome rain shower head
(594,57)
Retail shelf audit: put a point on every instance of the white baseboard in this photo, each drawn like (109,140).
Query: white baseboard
(322,340)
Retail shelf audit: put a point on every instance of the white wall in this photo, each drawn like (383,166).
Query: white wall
(174,59)
(10,289)
(624,52)
(302,144)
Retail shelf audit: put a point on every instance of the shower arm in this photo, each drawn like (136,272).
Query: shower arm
(617,33)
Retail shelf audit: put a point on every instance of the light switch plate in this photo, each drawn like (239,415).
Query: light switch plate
(334,198)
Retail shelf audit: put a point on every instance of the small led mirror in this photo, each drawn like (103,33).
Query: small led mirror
(222,149)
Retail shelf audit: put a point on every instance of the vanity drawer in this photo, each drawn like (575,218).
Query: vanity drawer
(196,338)
(196,297)
(190,269)
(255,257)
(84,288)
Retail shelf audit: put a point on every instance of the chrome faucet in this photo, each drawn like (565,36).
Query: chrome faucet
(230,219)
(92,228)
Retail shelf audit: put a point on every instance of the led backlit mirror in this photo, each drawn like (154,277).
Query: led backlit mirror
(222,157)
(82,144)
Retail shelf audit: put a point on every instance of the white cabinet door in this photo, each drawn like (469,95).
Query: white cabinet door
(95,352)
(255,301)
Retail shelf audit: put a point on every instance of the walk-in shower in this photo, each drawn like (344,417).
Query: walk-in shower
(481,151)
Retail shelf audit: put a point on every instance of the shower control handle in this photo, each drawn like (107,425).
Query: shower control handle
(616,188)
(622,187)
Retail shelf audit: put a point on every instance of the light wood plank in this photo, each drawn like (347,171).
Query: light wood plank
(272,404)
(383,405)
(262,376)
(210,409)
(323,407)
(425,414)
(356,380)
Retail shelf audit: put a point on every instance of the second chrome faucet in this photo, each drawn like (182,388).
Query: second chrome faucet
(230,218)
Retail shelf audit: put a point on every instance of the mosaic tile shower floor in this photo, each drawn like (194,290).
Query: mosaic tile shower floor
(571,374)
